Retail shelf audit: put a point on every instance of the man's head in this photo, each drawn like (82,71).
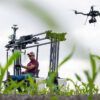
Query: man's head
(31,55)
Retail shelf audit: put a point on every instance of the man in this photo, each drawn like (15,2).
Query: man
(32,66)
(30,70)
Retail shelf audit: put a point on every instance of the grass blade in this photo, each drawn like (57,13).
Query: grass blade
(10,61)
(34,9)
(66,58)
(93,65)
(78,77)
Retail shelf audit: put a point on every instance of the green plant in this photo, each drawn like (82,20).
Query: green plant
(91,77)
(54,90)
(39,12)
(3,70)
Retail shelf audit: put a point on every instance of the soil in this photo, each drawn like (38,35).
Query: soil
(47,97)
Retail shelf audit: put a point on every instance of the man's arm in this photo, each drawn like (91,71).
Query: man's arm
(30,67)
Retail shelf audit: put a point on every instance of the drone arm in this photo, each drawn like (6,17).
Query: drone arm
(81,13)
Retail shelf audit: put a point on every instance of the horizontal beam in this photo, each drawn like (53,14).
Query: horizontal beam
(38,45)
(41,33)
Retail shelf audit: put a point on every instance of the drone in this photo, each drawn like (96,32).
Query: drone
(92,13)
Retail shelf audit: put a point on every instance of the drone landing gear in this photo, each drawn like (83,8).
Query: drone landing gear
(92,20)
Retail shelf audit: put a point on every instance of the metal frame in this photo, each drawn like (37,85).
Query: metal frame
(19,45)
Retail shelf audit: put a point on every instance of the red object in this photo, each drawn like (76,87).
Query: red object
(33,62)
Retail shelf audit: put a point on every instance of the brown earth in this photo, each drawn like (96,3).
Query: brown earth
(46,97)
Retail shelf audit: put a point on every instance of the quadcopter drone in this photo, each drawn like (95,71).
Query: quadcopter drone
(92,13)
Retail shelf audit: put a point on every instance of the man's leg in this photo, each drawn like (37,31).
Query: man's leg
(18,77)
(21,77)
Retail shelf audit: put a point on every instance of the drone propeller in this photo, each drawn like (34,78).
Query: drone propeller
(75,11)
(92,7)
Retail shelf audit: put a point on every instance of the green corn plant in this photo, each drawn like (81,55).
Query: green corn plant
(4,69)
(91,77)
(33,86)
(76,86)
(39,12)
(13,87)
(27,86)
(69,91)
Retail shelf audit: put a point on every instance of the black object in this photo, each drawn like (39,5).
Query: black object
(92,13)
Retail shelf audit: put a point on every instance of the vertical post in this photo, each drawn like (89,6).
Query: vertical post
(57,51)
(37,51)
(54,55)
(50,65)
(7,62)
(20,63)
(17,64)
(15,28)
